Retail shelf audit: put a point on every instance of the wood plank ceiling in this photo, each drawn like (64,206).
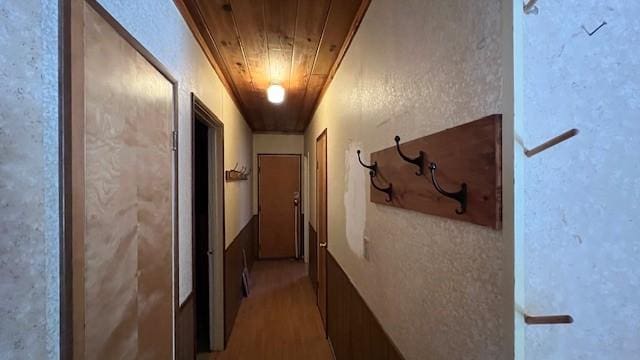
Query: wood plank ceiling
(295,43)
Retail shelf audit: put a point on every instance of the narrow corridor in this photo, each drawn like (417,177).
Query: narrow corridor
(279,319)
(430,179)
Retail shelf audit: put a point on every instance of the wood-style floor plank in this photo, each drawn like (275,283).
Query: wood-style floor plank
(279,320)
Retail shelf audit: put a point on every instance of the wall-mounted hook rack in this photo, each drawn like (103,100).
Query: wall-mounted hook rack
(555,141)
(236,175)
(460,196)
(417,161)
(373,167)
(469,153)
(388,190)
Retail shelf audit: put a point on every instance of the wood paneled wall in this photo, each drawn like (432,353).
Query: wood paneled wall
(233,265)
(313,257)
(353,329)
(185,330)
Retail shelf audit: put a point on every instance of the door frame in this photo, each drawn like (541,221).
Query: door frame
(72,178)
(324,134)
(299,156)
(199,111)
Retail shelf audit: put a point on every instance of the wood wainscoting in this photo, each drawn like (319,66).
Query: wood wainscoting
(246,240)
(185,330)
(353,330)
(313,258)
(185,322)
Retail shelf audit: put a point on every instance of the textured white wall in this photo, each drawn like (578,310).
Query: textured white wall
(160,28)
(582,198)
(415,68)
(29,226)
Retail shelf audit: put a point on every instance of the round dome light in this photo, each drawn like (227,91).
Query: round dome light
(275,93)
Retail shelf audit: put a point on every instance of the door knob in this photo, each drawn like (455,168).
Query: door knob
(323,244)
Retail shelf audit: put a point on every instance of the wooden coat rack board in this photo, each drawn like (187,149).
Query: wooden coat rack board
(233,175)
(469,154)
(237,175)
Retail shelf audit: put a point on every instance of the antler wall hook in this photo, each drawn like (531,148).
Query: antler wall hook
(373,167)
(460,196)
(388,190)
(417,161)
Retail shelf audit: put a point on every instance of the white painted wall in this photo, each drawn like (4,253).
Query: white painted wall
(582,197)
(442,289)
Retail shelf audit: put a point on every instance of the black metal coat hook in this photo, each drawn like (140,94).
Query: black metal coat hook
(460,196)
(417,161)
(373,167)
(388,190)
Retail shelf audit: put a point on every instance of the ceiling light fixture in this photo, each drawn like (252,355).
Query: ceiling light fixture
(275,93)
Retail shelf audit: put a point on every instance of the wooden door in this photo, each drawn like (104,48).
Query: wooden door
(128,199)
(321,216)
(278,200)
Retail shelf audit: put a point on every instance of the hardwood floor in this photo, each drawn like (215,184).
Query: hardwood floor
(279,320)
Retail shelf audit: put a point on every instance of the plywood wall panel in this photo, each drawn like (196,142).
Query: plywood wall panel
(110,196)
(128,199)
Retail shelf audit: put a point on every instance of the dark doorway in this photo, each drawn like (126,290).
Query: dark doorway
(208,228)
(201,232)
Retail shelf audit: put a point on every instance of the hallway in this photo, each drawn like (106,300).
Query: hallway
(279,319)
(441,179)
